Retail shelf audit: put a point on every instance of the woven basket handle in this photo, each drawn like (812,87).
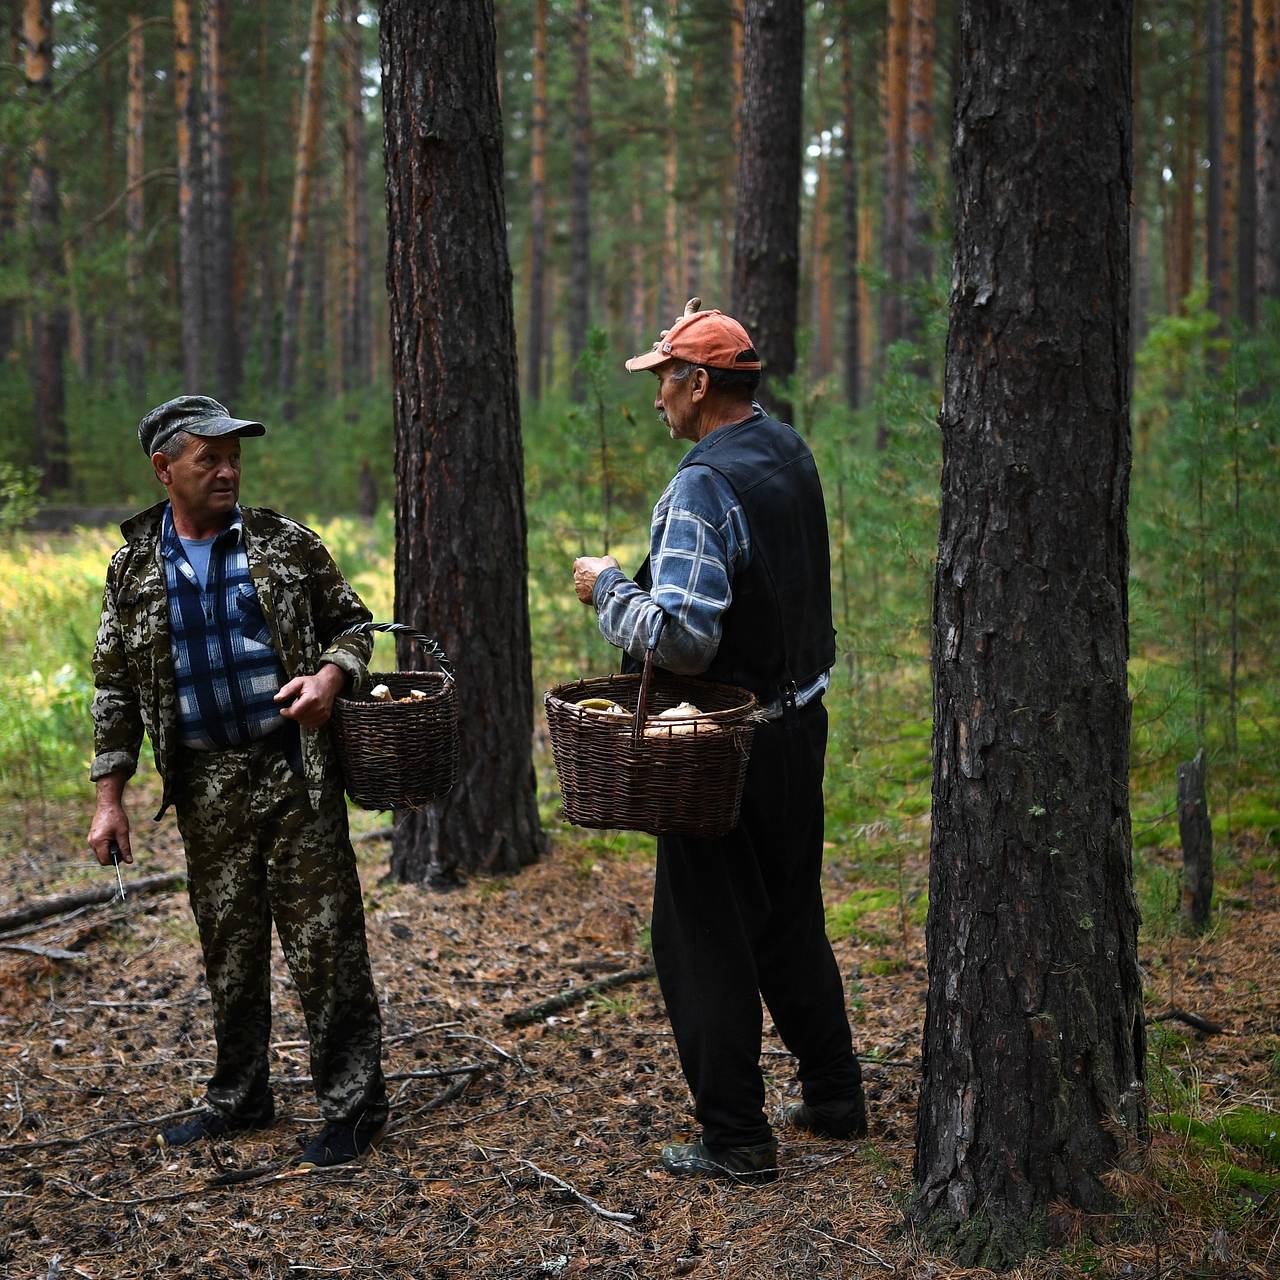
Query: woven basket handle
(642,702)
(428,645)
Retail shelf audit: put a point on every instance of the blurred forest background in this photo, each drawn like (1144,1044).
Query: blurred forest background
(191,199)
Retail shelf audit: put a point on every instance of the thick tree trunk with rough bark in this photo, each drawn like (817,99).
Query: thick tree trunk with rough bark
(766,238)
(537,209)
(303,174)
(1034,1039)
(219,273)
(580,209)
(1267,113)
(461,557)
(49,314)
(135,351)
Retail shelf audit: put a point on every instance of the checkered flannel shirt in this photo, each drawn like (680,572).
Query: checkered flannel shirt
(698,541)
(226,667)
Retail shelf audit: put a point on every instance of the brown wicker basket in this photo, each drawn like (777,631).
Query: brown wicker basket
(399,755)
(640,774)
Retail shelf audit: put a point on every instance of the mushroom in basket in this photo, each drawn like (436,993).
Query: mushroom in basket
(680,719)
(602,707)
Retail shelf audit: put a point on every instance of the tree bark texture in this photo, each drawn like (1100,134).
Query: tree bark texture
(135,209)
(190,273)
(580,209)
(917,252)
(10,32)
(357,320)
(221,336)
(49,314)
(303,173)
(461,555)
(766,238)
(1267,110)
(1034,1040)
(896,159)
(1196,835)
(537,208)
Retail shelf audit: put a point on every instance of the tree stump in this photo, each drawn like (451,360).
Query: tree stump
(1197,842)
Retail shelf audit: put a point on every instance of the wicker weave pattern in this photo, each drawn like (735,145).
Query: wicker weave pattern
(399,755)
(669,780)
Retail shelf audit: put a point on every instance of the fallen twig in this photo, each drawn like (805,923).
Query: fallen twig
(63,902)
(608,1214)
(574,995)
(100,1133)
(853,1244)
(427,1073)
(1194,1020)
(46,953)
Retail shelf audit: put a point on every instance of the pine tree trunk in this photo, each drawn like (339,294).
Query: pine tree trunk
(221,336)
(190,276)
(1185,218)
(11,34)
(1247,222)
(580,211)
(917,253)
(1267,101)
(356,318)
(265,237)
(534,354)
(767,220)
(1231,157)
(1214,246)
(461,558)
(1034,1039)
(135,209)
(671,303)
(308,135)
(49,314)
(636,282)
(893,223)
(315,346)
(849,174)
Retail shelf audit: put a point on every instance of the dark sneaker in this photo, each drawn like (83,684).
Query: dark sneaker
(210,1124)
(340,1144)
(844,1119)
(737,1164)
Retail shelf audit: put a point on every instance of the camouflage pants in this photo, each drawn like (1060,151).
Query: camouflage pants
(257,852)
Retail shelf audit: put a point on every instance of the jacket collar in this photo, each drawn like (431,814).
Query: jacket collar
(153,522)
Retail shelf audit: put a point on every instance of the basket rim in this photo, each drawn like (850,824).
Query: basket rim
(555,696)
(444,689)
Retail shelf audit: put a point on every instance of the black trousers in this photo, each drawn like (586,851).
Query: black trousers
(741,917)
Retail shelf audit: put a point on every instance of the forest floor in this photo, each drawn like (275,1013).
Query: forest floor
(464,1183)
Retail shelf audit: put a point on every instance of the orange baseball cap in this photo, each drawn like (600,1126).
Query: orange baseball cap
(710,338)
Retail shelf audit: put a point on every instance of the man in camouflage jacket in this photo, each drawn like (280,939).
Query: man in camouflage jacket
(222,635)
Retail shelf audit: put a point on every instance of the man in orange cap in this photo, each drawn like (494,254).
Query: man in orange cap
(737,588)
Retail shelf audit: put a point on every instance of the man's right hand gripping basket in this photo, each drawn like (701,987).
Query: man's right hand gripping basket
(663,754)
(400,751)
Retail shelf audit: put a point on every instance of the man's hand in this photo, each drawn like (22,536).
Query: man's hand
(586,569)
(110,822)
(310,698)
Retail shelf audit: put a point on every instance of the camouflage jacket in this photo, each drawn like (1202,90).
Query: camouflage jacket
(305,600)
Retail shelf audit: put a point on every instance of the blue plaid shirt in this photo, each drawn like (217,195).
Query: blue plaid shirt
(225,664)
(698,541)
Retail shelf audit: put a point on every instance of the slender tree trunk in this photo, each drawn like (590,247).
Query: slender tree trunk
(308,135)
(1186,213)
(135,210)
(1214,245)
(671,303)
(1247,225)
(534,355)
(357,320)
(636,284)
(1267,100)
(1231,157)
(917,252)
(190,275)
(896,159)
(49,314)
(1034,1039)
(459,467)
(266,238)
(315,346)
(580,210)
(866,308)
(767,223)
(223,340)
(737,32)
(849,175)
(11,34)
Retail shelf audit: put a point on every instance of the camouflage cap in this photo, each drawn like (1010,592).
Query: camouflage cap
(198,415)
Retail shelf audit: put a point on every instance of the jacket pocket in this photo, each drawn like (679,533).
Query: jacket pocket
(252,623)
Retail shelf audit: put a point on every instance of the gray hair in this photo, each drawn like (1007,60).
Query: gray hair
(176,445)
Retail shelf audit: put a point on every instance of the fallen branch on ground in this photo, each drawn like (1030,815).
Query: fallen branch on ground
(575,995)
(608,1214)
(46,953)
(432,1073)
(54,906)
(44,1143)
(1203,1025)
